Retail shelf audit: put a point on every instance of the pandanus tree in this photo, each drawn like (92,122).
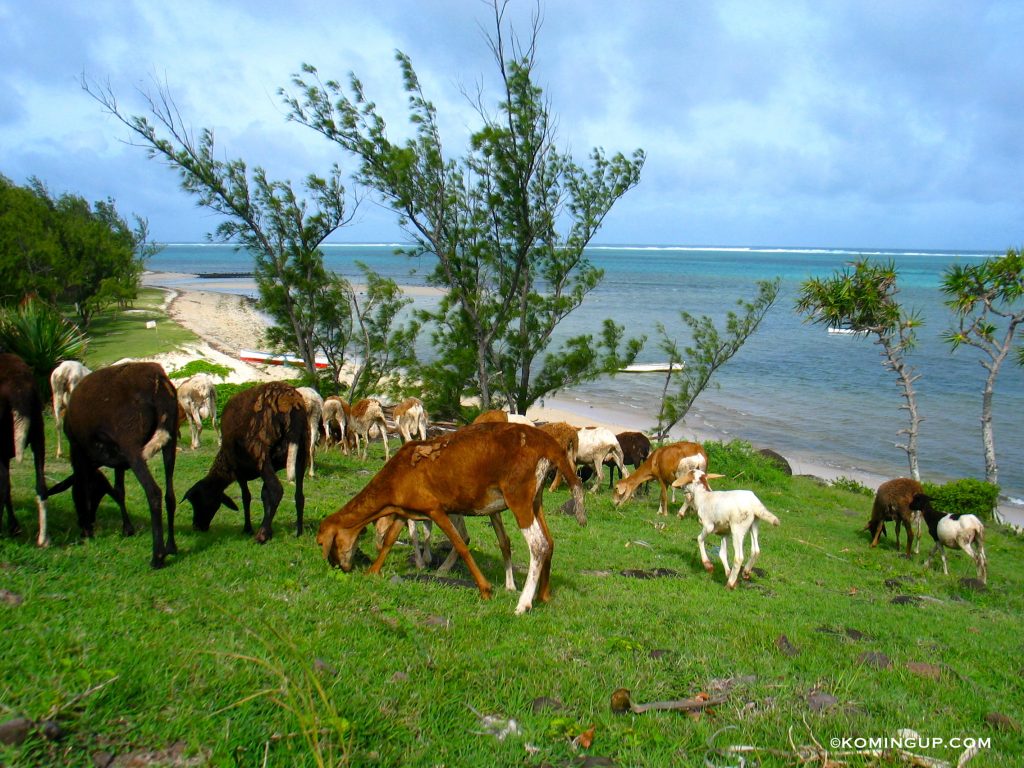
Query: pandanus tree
(863,298)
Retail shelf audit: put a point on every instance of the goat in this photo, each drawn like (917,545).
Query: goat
(315,413)
(364,415)
(636,447)
(664,464)
(596,445)
(478,470)
(336,417)
(63,380)
(197,396)
(568,437)
(951,531)
(411,419)
(21,425)
(120,417)
(497,415)
(264,428)
(729,514)
(892,502)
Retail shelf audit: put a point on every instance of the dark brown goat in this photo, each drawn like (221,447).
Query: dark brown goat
(636,447)
(263,430)
(21,424)
(895,500)
(120,417)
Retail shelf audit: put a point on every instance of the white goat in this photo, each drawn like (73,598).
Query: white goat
(315,414)
(411,419)
(596,445)
(729,514)
(197,396)
(63,380)
(953,531)
(336,413)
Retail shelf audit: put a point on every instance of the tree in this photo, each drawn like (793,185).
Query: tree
(307,303)
(693,369)
(862,298)
(982,297)
(508,223)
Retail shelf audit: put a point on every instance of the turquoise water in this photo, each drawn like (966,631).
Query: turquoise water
(793,386)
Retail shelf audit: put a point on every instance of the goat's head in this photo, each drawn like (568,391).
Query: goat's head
(693,478)
(337,543)
(206,500)
(922,503)
(621,493)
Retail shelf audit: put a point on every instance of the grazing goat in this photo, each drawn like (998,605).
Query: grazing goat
(636,447)
(21,425)
(411,419)
(120,417)
(478,470)
(497,415)
(568,438)
(665,464)
(952,531)
(596,445)
(315,414)
(265,428)
(336,416)
(364,415)
(729,514)
(197,396)
(893,502)
(63,380)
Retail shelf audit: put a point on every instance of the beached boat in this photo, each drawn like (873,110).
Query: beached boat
(272,358)
(651,368)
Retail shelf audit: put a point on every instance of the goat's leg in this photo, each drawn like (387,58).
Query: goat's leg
(703,552)
(942,553)
(982,561)
(246,507)
(58,420)
(737,536)
(39,459)
(13,529)
(459,522)
(918,517)
(384,437)
(598,471)
(441,520)
(506,550)
(540,549)
(969,550)
(386,542)
(152,490)
(723,554)
(755,550)
(271,495)
(170,455)
(928,560)
(127,529)
(544,586)
(414,540)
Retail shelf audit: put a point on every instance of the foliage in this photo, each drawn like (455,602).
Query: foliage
(41,337)
(692,370)
(193,367)
(66,251)
(851,485)
(738,460)
(983,298)
(508,222)
(308,304)
(863,298)
(966,496)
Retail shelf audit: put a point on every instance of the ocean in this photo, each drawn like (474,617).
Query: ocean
(792,387)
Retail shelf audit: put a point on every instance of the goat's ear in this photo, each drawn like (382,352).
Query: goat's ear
(227,502)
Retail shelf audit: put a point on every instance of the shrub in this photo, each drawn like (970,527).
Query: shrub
(738,458)
(964,496)
(200,366)
(40,336)
(854,486)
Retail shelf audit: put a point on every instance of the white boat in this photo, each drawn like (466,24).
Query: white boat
(273,358)
(651,368)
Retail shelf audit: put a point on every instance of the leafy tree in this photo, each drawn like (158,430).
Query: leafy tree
(307,303)
(710,349)
(42,337)
(983,298)
(29,246)
(863,298)
(507,222)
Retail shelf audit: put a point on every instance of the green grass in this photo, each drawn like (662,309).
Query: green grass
(119,334)
(262,655)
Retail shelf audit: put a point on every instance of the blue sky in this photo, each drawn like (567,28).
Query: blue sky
(855,124)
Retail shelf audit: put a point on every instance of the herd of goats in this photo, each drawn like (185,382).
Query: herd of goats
(123,415)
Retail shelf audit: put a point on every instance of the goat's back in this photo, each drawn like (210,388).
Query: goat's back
(261,422)
(894,497)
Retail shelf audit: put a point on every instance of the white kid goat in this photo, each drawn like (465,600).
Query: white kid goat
(729,514)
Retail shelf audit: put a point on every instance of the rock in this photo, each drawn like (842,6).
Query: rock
(976,585)
(102,759)
(594,761)
(787,648)
(893,583)
(15,731)
(654,573)
(6,596)
(924,670)
(658,653)
(819,701)
(777,459)
(52,730)
(905,600)
(1001,722)
(545,702)
(874,659)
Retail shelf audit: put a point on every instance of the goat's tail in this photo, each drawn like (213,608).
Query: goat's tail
(764,514)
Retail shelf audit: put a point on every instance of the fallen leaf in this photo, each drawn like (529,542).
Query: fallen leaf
(585,739)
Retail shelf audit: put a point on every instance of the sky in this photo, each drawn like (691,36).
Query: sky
(860,124)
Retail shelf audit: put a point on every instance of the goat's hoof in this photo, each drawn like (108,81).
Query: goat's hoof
(709,567)
(262,536)
(521,609)
(43,543)
(171,549)
(157,562)
(128,530)
(746,575)
(730,585)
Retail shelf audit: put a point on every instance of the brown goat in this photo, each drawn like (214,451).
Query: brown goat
(336,423)
(895,500)
(411,419)
(21,425)
(120,417)
(264,429)
(478,470)
(568,437)
(363,416)
(665,464)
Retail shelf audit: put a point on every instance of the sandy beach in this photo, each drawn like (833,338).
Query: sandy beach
(230,322)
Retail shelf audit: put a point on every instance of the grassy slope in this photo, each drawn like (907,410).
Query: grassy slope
(405,666)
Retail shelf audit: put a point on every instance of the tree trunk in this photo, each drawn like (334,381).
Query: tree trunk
(987,434)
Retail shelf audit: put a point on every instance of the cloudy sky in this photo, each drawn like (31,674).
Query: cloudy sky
(819,123)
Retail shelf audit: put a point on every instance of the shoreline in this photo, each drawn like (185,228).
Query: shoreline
(223,314)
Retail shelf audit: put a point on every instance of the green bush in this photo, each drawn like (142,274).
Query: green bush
(42,337)
(964,496)
(201,366)
(739,459)
(854,486)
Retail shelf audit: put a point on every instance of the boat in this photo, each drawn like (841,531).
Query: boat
(274,358)
(652,368)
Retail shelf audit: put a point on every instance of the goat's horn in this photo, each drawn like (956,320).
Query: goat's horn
(713,476)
